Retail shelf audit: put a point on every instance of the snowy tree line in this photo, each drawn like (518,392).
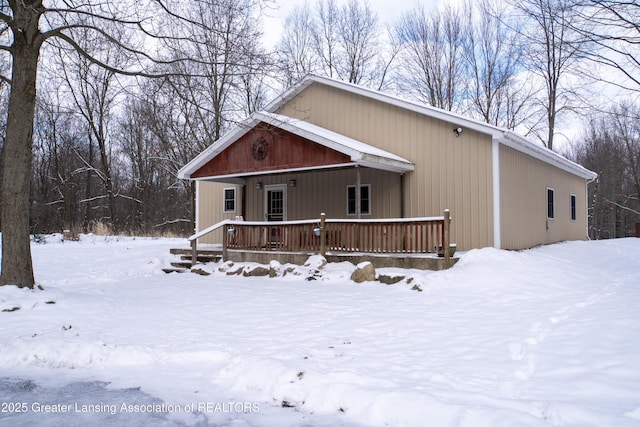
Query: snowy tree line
(107,145)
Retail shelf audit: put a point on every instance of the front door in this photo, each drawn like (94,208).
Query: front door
(275,209)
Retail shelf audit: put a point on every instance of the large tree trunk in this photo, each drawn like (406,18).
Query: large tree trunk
(16,249)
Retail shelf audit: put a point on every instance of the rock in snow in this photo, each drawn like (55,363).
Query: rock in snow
(364,272)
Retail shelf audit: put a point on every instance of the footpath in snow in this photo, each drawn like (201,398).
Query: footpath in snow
(548,336)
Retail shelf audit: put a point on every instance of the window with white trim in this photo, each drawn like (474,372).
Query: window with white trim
(229,201)
(573,207)
(365,199)
(550,203)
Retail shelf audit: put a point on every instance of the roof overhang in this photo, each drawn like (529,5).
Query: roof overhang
(503,136)
(361,154)
(517,142)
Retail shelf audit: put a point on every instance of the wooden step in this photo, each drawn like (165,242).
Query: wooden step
(184,265)
(181,251)
(202,258)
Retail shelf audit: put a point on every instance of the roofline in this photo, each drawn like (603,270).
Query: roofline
(358,157)
(240,178)
(502,135)
(519,143)
(405,104)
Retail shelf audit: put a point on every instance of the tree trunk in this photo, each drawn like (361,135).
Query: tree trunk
(17,268)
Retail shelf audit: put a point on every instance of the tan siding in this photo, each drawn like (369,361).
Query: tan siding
(314,193)
(325,191)
(211,209)
(451,172)
(523,187)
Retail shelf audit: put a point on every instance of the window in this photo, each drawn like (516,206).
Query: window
(550,203)
(573,207)
(365,199)
(229,199)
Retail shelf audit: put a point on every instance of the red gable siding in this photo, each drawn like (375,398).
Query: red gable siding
(266,148)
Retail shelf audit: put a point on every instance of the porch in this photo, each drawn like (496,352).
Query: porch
(404,243)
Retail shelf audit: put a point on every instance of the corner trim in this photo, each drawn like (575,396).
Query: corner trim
(495,165)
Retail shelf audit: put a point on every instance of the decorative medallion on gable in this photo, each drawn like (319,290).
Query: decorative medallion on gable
(260,148)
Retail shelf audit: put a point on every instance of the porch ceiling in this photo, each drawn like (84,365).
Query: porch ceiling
(268,143)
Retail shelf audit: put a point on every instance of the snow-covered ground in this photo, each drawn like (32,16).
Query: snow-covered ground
(549,336)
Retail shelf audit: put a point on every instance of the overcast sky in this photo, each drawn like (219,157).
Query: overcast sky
(388,12)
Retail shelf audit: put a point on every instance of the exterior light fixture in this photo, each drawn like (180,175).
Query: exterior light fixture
(292,183)
(457,131)
(259,185)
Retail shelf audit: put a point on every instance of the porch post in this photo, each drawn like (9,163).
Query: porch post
(402,195)
(323,234)
(194,252)
(358,183)
(446,238)
(225,241)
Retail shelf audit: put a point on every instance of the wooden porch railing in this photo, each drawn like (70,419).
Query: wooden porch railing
(377,236)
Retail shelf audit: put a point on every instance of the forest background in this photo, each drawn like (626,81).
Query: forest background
(107,144)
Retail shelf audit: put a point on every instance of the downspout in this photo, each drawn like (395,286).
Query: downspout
(495,165)
(586,204)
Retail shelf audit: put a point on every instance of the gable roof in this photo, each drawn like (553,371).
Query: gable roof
(360,153)
(501,135)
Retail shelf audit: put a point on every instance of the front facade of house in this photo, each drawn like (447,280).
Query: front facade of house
(332,147)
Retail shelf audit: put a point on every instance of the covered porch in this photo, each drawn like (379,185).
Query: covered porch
(277,174)
(408,243)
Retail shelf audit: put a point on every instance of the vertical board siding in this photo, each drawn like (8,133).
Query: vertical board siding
(211,210)
(451,172)
(523,187)
(326,191)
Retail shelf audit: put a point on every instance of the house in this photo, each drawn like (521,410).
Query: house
(351,152)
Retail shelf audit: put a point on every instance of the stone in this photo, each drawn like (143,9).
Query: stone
(275,269)
(257,271)
(200,271)
(364,272)
(317,262)
(389,279)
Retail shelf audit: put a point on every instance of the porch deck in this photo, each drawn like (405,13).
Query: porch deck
(415,261)
(405,243)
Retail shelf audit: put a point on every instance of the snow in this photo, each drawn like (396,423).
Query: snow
(547,336)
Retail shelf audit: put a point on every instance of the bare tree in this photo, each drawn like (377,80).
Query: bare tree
(231,52)
(613,29)
(611,147)
(493,57)
(94,91)
(553,53)
(297,56)
(25,26)
(54,164)
(343,42)
(431,63)
(326,32)
(359,41)
(172,120)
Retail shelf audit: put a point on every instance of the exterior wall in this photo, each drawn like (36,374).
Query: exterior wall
(211,208)
(451,172)
(523,187)
(326,191)
(314,193)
